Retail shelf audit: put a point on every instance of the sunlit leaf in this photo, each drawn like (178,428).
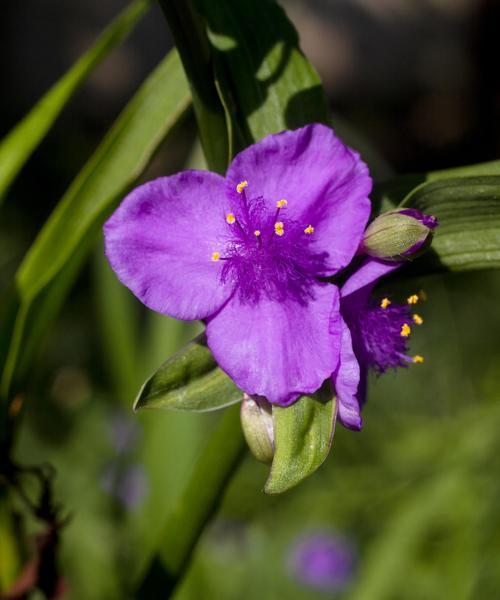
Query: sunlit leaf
(19,144)
(303,434)
(190,380)
(265,82)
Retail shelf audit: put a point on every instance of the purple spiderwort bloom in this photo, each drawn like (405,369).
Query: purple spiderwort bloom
(374,336)
(324,561)
(247,253)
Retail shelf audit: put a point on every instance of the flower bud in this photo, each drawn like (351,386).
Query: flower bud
(398,234)
(257,425)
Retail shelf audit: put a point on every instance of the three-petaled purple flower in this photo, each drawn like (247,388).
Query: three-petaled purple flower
(374,336)
(248,254)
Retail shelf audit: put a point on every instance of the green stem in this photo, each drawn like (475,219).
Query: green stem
(195,507)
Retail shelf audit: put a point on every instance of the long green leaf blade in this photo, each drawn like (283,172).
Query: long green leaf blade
(266,83)
(190,380)
(19,144)
(468,236)
(64,242)
(303,434)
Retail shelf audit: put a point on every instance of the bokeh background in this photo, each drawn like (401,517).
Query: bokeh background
(407,509)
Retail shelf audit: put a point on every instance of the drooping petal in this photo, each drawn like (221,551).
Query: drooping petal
(346,380)
(275,349)
(325,184)
(160,242)
(367,276)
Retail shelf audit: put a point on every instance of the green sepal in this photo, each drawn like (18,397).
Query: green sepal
(303,435)
(190,380)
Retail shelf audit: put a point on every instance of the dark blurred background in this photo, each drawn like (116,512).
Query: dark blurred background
(410,505)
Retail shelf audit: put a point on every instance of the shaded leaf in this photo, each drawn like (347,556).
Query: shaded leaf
(190,380)
(468,236)
(19,144)
(188,30)
(70,233)
(303,434)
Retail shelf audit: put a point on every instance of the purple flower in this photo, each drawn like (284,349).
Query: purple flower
(127,483)
(323,561)
(374,336)
(247,253)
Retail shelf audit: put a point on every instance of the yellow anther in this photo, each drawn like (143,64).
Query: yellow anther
(417,319)
(417,359)
(256,232)
(422,295)
(309,229)
(279,228)
(281,203)
(405,330)
(241,186)
(215,256)
(385,303)
(230,218)
(413,299)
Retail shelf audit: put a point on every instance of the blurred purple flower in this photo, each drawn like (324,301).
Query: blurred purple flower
(127,483)
(248,252)
(375,336)
(324,561)
(123,432)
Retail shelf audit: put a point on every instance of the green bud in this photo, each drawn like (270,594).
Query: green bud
(399,234)
(257,425)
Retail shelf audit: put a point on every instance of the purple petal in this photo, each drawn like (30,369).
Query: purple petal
(325,183)
(160,242)
(367,276)
(346,380)
(275,349)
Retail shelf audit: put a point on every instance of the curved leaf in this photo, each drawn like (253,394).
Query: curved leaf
(265,82)
(468,209)
(190,380)
(66,239)
(303,434)
(18,145)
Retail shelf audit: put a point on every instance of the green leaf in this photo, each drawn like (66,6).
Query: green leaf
(468,236)
(195,506)
(303,434)
(18,145)
(70,233)
(265,82)
(188,30)
(190,380)
(390,193)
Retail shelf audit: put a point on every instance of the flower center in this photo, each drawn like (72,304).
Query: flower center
(267,252)
(382,331)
